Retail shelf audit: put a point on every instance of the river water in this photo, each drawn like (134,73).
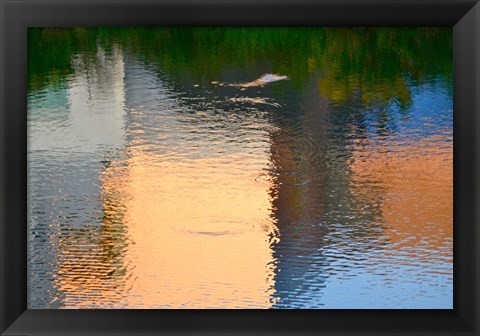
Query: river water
(158,179)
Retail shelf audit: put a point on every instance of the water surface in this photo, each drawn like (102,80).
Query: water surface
(161,177)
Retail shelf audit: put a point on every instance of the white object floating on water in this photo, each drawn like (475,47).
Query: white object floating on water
(196,85)
(264,79)
(214,82)
(272,78)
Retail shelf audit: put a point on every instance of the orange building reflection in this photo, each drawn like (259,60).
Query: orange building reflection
(414,182)
(192,243)
(195,243)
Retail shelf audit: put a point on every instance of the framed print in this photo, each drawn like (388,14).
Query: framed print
(207,167)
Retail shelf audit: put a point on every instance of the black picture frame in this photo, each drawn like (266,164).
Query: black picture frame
(17,15)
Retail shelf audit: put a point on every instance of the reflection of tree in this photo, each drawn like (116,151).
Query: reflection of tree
(114,228)
(348,59)
(340,89)
(90,268)
(314,205)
